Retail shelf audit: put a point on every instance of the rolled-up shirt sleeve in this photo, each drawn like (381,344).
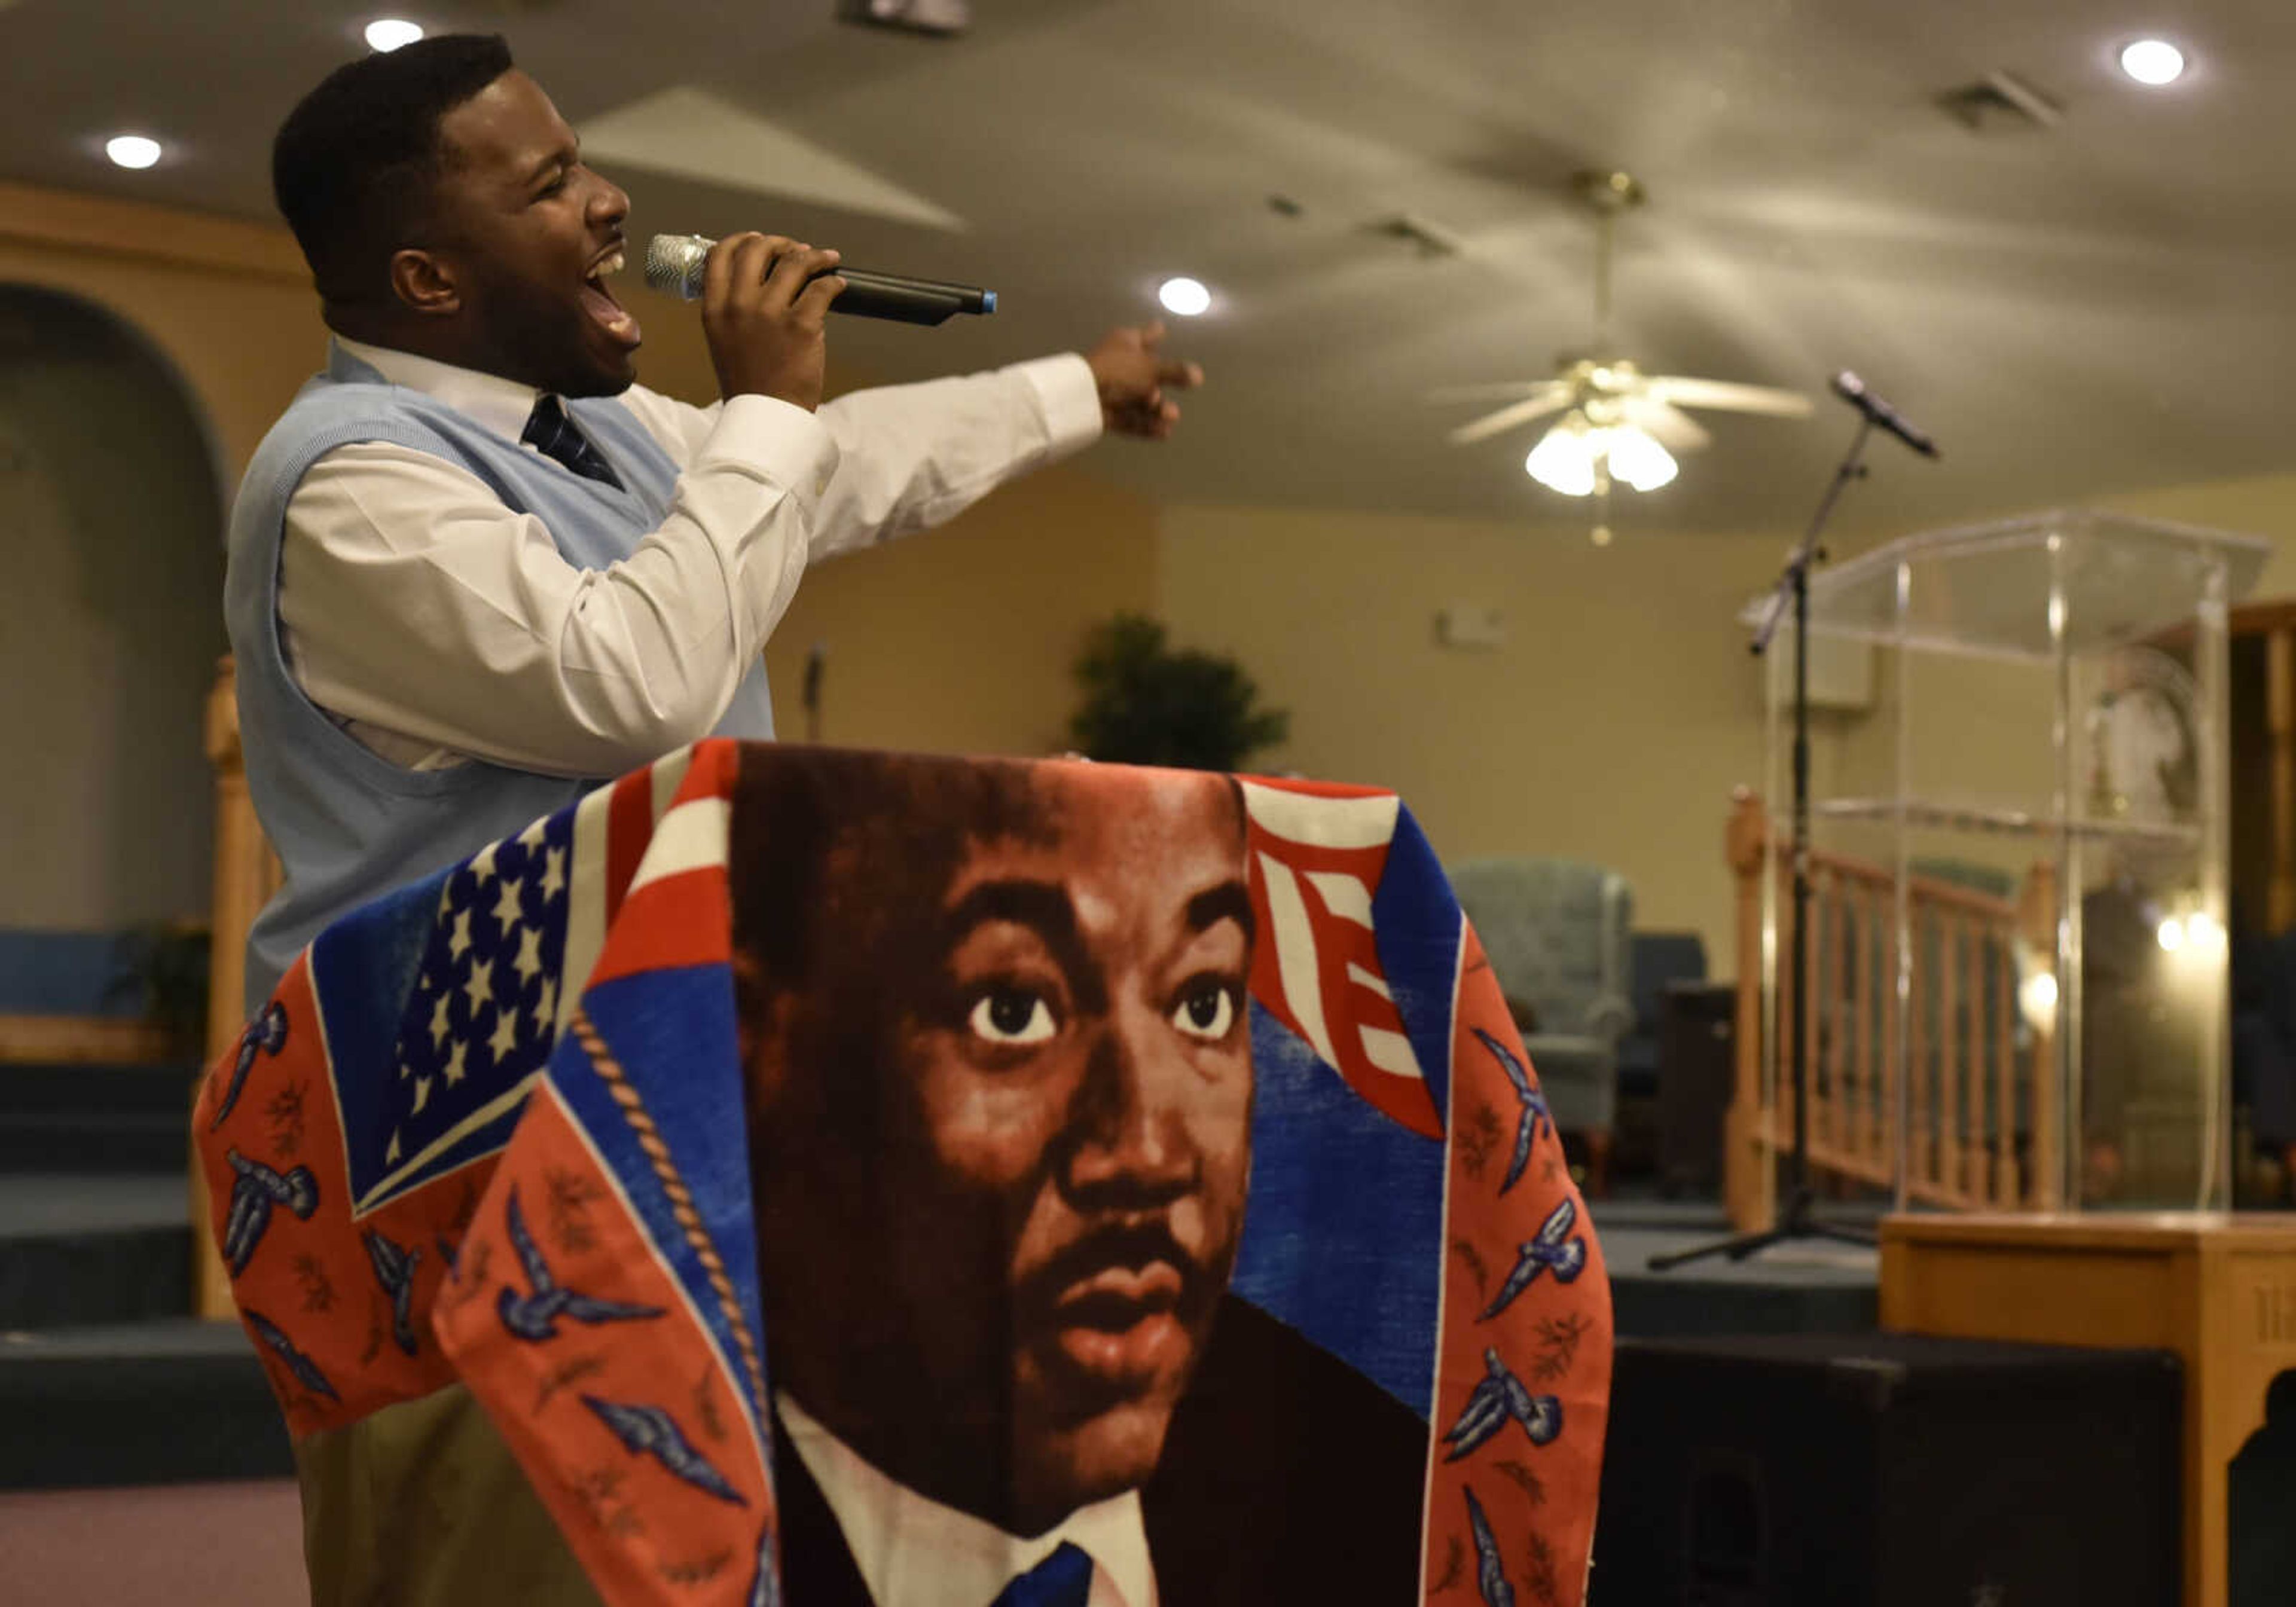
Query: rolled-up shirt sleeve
(411,600)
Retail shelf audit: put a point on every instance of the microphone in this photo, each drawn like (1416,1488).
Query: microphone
(1852,390)
(674,265)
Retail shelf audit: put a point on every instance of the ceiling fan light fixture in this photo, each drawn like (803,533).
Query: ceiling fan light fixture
(1637,458)
(1574,457)
(1564,461)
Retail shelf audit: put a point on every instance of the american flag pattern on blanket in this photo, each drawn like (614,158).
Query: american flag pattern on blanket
(1317,853)
(395,1058)
(492,1129)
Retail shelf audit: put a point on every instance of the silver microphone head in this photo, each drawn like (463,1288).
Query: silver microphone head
(674,264)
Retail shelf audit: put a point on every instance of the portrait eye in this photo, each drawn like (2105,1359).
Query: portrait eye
(1011,1016)
(1207,1010)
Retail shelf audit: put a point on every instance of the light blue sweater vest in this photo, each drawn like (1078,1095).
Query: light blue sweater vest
(347,824)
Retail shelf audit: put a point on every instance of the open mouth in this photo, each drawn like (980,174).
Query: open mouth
(599,302)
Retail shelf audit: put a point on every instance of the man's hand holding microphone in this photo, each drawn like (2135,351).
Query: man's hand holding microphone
(765,299)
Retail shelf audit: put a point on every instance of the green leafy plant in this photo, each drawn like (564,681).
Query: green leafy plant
(1148,703)
(165,966)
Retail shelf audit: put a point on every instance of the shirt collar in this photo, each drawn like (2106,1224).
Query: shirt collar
(913,1552)
(501,406)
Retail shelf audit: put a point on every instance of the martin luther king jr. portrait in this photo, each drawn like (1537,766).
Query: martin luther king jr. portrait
(995,1022)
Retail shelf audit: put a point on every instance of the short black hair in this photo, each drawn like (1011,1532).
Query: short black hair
(352,167)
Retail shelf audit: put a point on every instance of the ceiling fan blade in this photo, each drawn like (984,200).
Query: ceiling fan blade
(1685,392)
(1494,390)
(1676,430)
(1553,398)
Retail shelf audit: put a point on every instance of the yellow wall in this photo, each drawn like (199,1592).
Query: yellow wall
(227,303)
(107,665)
(1623,706)
(2263,504)
(118,531)
(959,640)
(1610,725)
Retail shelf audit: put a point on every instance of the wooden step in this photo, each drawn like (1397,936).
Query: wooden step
(80,1250)
(142,1403)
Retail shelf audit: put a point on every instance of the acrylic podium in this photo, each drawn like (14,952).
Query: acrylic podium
(2042,778)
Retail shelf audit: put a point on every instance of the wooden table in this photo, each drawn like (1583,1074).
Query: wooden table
(2219,1288)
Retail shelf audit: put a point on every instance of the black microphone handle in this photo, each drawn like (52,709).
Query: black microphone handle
(906,301)
(675,265)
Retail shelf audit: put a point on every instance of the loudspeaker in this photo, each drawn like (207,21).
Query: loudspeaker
(1696,1046)
(1888,1471)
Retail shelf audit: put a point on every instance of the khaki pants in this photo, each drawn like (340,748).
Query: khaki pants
(421,1504)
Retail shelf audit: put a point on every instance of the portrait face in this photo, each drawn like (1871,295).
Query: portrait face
(1001,1129)
(524,227)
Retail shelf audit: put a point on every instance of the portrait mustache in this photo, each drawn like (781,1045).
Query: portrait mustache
(1069,1289)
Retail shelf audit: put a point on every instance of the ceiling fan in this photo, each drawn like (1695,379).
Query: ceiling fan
(1617,423)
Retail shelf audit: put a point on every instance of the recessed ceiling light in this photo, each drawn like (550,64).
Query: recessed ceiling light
(1185,297)
(2153,62)
(131,150)
(389,33)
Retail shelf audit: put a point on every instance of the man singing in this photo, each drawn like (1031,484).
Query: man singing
(474,570)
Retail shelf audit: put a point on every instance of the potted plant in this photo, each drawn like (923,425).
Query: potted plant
(1148,703)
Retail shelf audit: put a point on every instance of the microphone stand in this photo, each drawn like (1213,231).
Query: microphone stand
(816,662)
(1795,1222)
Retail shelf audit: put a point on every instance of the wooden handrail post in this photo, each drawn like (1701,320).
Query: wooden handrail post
(246,874)
(1959,1138)
(2280,723)
(1746,1188)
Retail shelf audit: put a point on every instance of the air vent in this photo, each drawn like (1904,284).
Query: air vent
(1431,238)
(2001,103)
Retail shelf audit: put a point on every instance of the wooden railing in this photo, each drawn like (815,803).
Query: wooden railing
(1957,1077)
(246,874)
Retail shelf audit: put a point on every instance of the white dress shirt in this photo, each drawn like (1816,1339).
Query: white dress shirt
(913,1552)
(436,625)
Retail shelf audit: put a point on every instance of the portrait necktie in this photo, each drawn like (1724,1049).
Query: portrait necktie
(1063,1579)
(549,431)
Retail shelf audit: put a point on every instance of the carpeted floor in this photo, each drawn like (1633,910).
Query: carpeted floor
(180,1546)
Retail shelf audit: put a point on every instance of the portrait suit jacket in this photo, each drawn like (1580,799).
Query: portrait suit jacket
(1287,1477)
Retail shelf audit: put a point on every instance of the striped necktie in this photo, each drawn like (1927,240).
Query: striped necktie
(1063,1579)
(549,431)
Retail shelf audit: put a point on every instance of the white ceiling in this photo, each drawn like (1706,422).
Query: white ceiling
(2100,305)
